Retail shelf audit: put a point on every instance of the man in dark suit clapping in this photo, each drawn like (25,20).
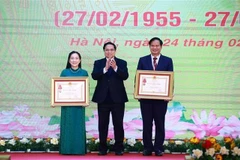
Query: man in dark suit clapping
(110,95)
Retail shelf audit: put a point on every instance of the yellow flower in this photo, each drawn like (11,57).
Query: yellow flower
(186,140)
(212,140)
(48,139)
(33,140)
(194,140)
(219,157)
(171,141)
(217,146)
(227,139)
(15,138)
(233,145)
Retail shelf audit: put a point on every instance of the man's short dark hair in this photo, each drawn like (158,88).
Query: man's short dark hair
(155,38)
(105,44)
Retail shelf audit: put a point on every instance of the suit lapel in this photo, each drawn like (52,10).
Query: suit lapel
(103,63)
(118,62)
(149,62)
(116,59)
(160,63)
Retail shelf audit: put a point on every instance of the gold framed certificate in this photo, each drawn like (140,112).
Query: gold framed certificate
(70,91)
(153,85)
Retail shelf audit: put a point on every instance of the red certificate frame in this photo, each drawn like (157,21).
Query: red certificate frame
(154,85)
(70,91)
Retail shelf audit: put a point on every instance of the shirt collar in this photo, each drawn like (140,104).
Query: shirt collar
(110,59)
(156,56)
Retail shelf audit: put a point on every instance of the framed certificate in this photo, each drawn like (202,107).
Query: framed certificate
(70,91)
(153,85)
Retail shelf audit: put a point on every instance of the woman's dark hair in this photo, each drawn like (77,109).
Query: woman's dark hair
(105,44)
(155,38)
(68,64)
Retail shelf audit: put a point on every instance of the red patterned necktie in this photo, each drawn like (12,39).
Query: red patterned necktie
(155,63)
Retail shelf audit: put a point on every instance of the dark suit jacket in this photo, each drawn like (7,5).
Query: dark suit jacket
(113,83)
(164,64)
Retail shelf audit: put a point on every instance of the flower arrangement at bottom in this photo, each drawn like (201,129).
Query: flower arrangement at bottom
(200,149)
(28,144)
(175,145)
(133,145)
(51,144)
(92,144)
(211,148)
(37,144)
(130,145)
(2,145)
(17,144)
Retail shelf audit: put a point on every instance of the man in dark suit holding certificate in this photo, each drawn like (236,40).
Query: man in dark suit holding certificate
(154,110)
(110,94)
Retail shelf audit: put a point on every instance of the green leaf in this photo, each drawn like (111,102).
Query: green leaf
(54,120)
